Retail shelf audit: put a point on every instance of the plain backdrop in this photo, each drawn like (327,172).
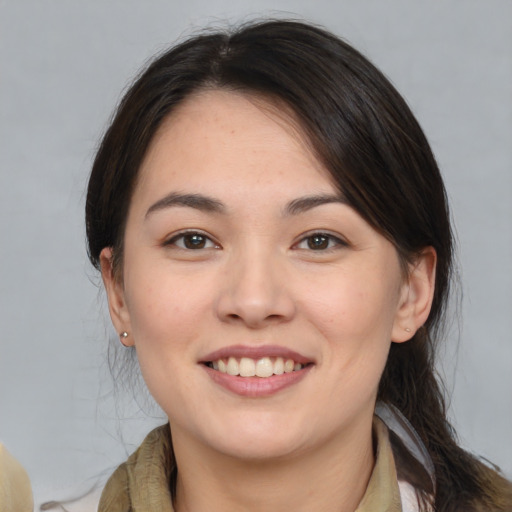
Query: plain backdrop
(63,65)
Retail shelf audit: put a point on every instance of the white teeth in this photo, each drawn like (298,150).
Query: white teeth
(232,367)
(279,366)
(289,365)
(264,367)
(247,367)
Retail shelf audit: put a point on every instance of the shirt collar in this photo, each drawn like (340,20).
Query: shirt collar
(382,493)
(142,483)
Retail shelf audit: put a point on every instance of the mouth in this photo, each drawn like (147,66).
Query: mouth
(252,371)
(263,367)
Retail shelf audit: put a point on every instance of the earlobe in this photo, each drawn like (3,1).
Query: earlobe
(416,296)
(115,295)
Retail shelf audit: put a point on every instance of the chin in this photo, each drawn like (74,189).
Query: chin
(265,449)
(260,440)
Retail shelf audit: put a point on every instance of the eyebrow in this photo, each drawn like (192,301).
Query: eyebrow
(303,204)
(197,201)
(212,205)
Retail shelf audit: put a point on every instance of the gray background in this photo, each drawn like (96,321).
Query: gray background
(63,65)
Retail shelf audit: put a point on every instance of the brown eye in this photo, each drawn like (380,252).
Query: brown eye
(318,242)
(192,241)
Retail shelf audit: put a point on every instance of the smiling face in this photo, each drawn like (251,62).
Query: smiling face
(241,256)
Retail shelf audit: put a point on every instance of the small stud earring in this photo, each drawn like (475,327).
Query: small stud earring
(407,329)
(122,337)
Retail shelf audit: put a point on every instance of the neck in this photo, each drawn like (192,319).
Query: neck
(332,477)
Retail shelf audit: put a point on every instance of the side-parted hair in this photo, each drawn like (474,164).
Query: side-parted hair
(365,135)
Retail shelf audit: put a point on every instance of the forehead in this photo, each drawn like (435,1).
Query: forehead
(227,138)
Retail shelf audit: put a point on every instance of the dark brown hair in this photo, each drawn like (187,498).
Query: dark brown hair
(362,130)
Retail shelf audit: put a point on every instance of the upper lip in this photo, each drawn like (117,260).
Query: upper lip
(255,352)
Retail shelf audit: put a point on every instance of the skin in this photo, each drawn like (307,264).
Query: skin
(257,281)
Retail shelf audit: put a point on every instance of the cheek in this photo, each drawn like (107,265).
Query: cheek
(162,304)
(165,324)
(355,317)
(352,309)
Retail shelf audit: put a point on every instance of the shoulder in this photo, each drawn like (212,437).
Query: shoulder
(115,496)
(150,464)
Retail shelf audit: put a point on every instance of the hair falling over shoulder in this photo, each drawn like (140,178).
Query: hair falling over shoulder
(364,133)
(463,481)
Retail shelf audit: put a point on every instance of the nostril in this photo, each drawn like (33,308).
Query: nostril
(254,305)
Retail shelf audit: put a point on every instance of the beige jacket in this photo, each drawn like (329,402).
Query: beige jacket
(141,484)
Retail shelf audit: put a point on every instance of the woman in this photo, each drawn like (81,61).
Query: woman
(273,235)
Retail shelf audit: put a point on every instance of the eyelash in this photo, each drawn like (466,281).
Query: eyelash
(333,242)
(183,237)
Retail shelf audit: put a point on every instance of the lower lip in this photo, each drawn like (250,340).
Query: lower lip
(255,387)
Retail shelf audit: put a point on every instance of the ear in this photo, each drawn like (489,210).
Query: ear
(416,296)
(115,295)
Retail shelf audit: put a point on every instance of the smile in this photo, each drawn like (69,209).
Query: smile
(256,371)
(263,367)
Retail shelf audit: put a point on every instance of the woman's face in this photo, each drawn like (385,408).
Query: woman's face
(241,256)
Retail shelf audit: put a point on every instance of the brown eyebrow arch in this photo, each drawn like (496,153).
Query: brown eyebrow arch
(197,201)
(303,204)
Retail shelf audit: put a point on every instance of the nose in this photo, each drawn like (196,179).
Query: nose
(255,292)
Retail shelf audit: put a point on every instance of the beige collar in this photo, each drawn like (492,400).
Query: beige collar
(382,493)
(142,483)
